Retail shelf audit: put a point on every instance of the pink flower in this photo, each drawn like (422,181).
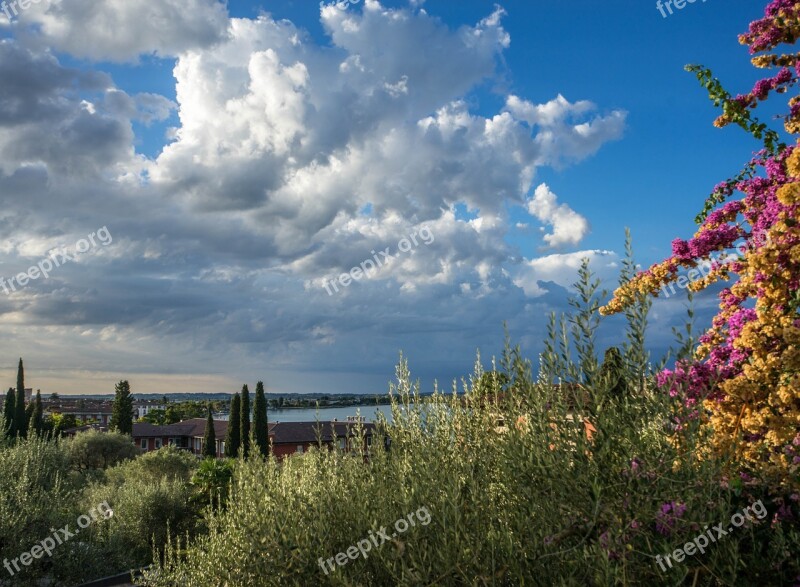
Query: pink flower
(667,516)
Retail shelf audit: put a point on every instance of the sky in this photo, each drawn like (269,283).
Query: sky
(185,182)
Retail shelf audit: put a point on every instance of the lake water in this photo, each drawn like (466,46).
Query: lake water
(325,414)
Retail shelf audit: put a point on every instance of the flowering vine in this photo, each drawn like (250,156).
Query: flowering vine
(744,382)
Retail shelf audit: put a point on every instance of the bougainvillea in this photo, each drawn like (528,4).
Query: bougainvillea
(744,381)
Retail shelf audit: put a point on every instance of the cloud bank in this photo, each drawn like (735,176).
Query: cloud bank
(289,162)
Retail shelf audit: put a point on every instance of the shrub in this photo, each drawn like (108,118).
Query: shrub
(212,481)
(167,462)
(35,496)
(93,450)
(145,511)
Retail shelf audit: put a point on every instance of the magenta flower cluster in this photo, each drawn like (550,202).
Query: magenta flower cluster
(667,515)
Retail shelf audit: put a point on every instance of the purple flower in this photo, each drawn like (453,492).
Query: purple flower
(667,515)
(784,513)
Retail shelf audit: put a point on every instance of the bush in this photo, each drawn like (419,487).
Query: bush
(93,450)
(168,462)
(145,511)
(212,482)
(148,495)
(35,496)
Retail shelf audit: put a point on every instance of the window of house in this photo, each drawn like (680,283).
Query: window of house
(299,448)
(342,444)
(158,443)
(143,443)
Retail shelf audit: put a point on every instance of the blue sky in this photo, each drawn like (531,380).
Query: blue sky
(244,155)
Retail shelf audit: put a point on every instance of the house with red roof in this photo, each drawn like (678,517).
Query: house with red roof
(286,438)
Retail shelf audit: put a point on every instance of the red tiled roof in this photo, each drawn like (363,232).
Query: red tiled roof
(193,427)
(297,432)
(147,429)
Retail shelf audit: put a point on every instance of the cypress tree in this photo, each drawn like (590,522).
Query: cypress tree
(36,422)
(9,412)
(29,417)
(210,437)
(122,409)
(260,420)
(20,421)
(233,440)
(245,425)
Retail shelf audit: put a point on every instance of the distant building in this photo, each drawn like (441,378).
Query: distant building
(91,412)
(85,428)
(297,437)
(186,435)
(94,410)
(287,438)
(142,408)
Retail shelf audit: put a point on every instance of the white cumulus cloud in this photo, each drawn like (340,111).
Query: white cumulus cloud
(569,227)
(562,269)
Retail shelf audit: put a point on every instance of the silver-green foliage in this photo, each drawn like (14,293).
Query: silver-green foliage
(94,450)
(36,494)
(518,492)
(150,497)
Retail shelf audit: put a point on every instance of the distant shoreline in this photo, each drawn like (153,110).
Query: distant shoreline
(334,400)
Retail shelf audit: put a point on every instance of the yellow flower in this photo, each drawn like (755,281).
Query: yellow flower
(793,163)
(788,194)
